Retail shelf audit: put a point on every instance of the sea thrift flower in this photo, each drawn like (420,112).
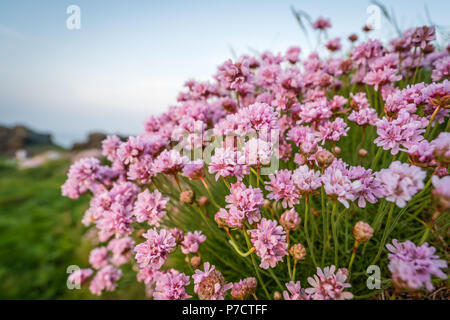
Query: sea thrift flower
(441,69)
(98,258)
(193,170)
(338,185)
(155,250)
(269,240)
(117,222)
(247,200)
(328,285)
(290,220)
(333,130)
(226,162)
(192,241)
(171,285)
(130,151)
(232,218)
(370,189)
(295,292)
(85,174)
(110,146)
(210,284)
(333,44)
(242,289)
(403,131)
(400,182)
(80,276)
(412,266)
(170,162)
(282,187)
(441,192)
(362,232)
(149,207)
(322,24)
(292,54)
(105,279)
(121,250)
(442,148)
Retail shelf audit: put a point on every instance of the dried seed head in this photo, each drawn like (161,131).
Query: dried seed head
(298,252)
(362,232)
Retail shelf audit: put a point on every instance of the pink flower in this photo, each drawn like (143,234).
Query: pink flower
(98,258)
(371,188)
(338,185)
(191,242)
(105,279)
(110,146)
(85,175)
(295,292)
(403,131)
(333,44)
(171,285)
(322,24)
(142,169)
(226,162)
(210,284)
(333,130)
(149,207)
(232,218)
(400,182)
(194,170)
(117,222)
(269,240)
(282,187)
(412,266)
(247,200)
(292,54)
(364,116)
(328,285)
(382,77)
(422,36)
(80,276)
(130,151)
(306,180)
(441,69)
(155,250)
(121,250)
(170,162)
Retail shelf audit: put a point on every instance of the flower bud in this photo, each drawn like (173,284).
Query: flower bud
(203,201)
(362,232)
(187,197)
(196,261)
(324,158)
(297,251)
(337,151)
(267,204)
(290,220)
(362,153)
(277,295)
(353,37)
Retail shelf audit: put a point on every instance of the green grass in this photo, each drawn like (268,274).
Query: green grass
(41,235)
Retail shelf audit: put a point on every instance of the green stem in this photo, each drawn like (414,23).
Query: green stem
(355,249)
(417,67)
(252,256)
(385,233)
(308,239)
(333,230)
(324,218)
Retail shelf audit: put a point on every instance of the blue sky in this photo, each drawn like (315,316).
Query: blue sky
(131,58)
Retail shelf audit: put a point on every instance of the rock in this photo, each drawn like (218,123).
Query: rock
(94,141)
(21,138)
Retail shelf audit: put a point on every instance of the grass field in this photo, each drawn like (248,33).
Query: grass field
(41,235)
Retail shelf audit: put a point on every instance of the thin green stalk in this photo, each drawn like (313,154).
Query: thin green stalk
(308,239)
(385,233)
(252,256)
(333,230)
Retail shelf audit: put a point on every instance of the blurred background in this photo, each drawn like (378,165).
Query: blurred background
(62,90)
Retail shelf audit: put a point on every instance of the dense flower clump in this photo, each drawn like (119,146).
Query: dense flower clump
(266,171)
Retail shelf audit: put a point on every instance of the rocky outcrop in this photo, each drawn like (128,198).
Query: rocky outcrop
(94,141)
(21,138)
